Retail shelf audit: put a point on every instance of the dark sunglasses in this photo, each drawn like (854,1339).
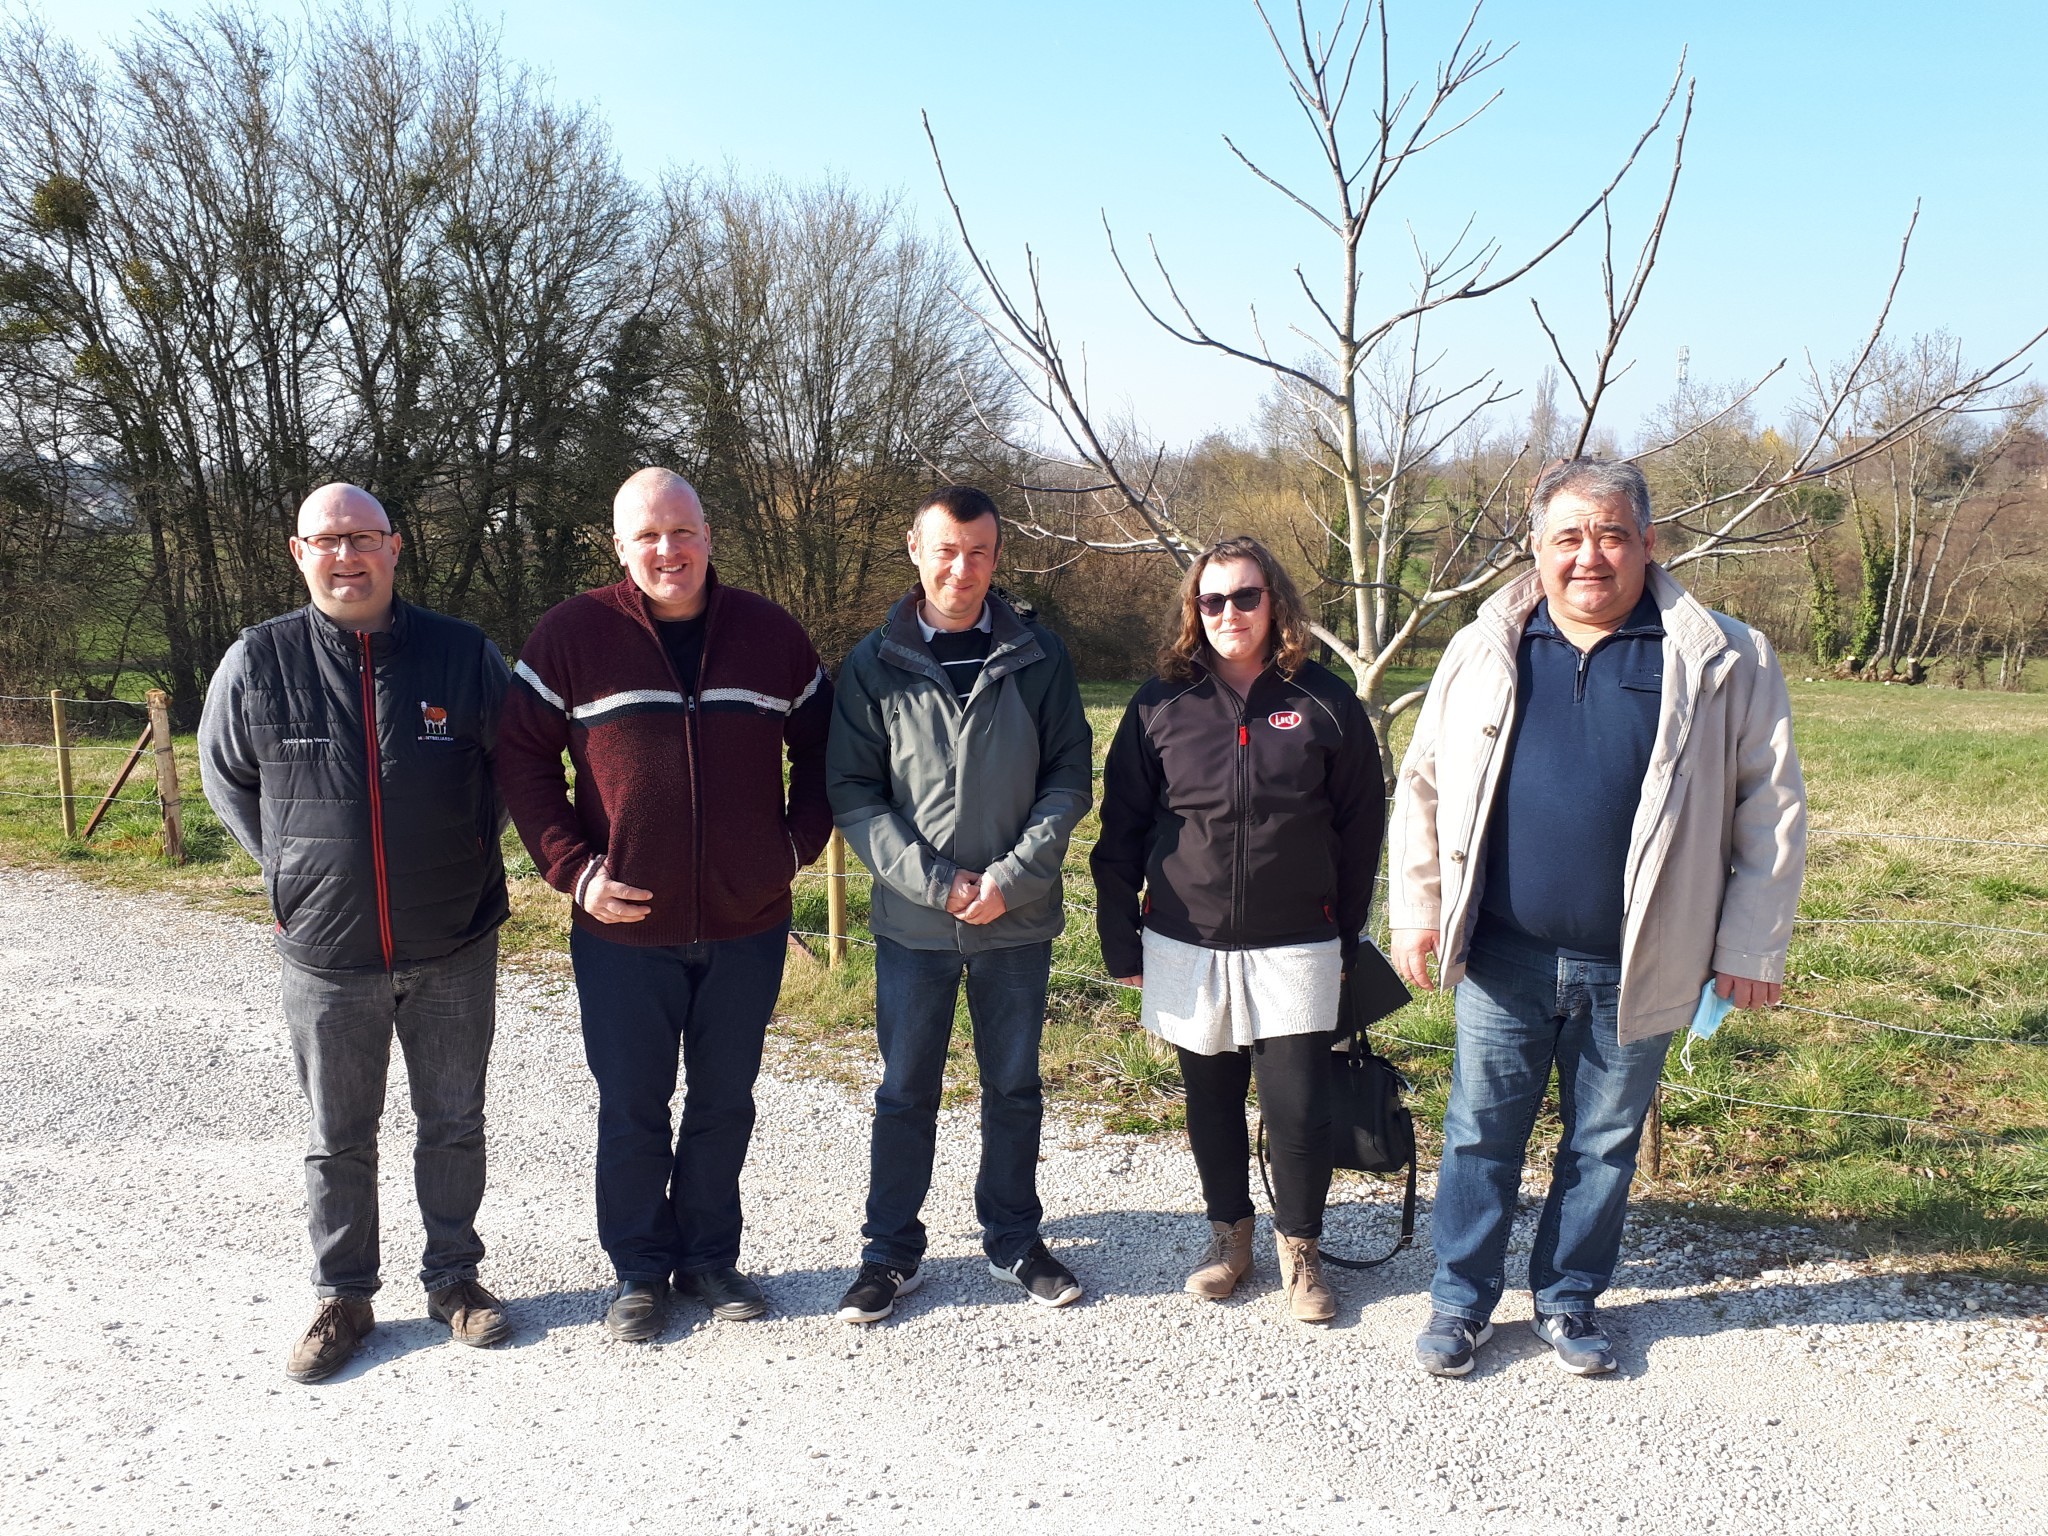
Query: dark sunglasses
(1247,600)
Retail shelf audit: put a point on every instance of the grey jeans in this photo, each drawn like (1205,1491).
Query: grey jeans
(444,1013)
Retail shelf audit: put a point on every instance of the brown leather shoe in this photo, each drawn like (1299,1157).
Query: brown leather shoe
(1308,1295)
(473,1314)
(1228,1260)
(340,1324)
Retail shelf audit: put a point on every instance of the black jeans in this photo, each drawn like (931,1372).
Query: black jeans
(673,1206)
(444,1013)
(1294,1097)
(915,993)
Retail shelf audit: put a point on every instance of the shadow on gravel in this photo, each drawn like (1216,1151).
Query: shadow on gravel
(1149,1253)
(535,1317)
(1637,1327)
(393,1339)
(1805,1306)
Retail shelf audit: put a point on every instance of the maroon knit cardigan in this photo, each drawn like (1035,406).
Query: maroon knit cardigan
(681,795)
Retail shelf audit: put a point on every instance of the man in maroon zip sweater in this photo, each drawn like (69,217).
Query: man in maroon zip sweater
(676,698)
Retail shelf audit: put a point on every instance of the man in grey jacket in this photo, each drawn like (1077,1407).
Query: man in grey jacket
(958,767)
(1600,817)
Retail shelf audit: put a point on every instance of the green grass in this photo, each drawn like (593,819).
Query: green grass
(1927,762)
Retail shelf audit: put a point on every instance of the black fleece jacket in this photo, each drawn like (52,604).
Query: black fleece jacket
(1239,823)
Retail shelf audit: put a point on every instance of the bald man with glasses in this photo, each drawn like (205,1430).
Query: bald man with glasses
(348,747)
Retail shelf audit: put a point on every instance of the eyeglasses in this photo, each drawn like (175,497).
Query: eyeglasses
(1247,600)
(363,541)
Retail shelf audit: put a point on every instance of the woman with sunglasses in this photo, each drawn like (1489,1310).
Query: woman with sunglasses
(1242,811)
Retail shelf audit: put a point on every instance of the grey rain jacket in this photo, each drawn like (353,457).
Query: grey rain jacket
(924,785)
(379,847)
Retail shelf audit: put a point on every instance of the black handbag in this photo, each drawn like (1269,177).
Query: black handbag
(1371,1130)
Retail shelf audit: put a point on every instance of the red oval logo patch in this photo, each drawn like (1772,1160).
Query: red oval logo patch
(1283,719)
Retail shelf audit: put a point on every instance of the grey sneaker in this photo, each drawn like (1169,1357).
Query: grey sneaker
(1581,1347)
(1445,1347)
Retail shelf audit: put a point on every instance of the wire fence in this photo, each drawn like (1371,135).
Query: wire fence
(1924,837)
(155,741)
(63,748)
(69,746)
(1907,1029)
(1680,1085)
(29,794)
(65,698)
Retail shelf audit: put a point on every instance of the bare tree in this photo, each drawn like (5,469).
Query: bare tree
(1369,410)
(818,374)
(1926,529)
(245,259)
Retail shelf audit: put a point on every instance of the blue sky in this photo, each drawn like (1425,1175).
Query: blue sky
(1817,126)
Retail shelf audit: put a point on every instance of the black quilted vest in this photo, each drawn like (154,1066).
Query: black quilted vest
(379,849)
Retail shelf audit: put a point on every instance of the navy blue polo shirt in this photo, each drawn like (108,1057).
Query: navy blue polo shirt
(1557,838)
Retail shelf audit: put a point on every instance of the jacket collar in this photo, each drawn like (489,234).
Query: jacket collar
(1643,621)
(628,599)
(1688,623)
(1204,673)
(1011,643)
(341,640)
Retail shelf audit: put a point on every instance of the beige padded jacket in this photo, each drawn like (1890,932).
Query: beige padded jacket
(1719,842)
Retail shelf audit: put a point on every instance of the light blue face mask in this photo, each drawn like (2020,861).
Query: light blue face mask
(1706,1019)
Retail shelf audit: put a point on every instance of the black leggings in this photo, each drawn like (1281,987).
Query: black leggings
(1294,1097)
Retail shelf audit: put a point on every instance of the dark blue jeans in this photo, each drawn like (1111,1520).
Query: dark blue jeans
(1521,1009)
(672,1206)
(444,1013)
(915,991)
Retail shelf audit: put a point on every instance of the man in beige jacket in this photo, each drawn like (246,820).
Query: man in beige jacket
(1600,814)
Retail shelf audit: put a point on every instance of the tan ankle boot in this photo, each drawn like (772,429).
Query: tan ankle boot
(1302,1285)
(1228,1260)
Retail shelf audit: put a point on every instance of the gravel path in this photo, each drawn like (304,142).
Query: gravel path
(152,1264)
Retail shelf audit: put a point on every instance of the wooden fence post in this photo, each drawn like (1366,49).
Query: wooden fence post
(1657,1133)
(62,737)
(135,752)
(835,896)
(167,776)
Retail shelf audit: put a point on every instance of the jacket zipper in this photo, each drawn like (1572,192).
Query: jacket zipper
(1244,740)
(367,668)
(1635,871)
(696,787)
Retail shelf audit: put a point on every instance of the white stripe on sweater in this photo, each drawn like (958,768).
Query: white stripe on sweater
(583,880)
(809,689)
(766,701)
(533,681)
(612,702)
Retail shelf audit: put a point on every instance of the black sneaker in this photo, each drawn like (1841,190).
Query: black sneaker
(872,1296)
(1040,1276)
(1581,1347)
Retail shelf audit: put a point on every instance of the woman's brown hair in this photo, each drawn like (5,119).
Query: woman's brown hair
(1290,634)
